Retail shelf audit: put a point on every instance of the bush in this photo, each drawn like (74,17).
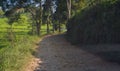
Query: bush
(97,24)
(15,58)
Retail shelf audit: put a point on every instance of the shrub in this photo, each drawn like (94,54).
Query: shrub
(97,24)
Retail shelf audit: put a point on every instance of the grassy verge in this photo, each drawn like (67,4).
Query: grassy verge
(14,58)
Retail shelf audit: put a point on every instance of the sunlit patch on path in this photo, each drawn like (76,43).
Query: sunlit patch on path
(56,54)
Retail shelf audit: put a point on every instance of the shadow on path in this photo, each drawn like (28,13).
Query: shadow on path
(108,52)
(56,54)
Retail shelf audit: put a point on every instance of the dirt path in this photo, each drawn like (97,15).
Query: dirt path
(56,54)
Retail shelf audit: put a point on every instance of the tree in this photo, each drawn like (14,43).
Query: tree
(68,8)
(60,15)
(47,13)
(12,6)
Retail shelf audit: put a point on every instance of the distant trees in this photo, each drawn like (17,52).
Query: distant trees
(36,15)
(49,12)
(13,9)
(60,15)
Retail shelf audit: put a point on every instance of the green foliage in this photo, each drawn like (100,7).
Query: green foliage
(14,58)
(13,18)
(15,42)
(3,22)
(1,12)
(98,23)
(61,11)
(80,5)
(23,19)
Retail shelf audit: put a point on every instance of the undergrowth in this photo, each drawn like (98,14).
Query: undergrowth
(14,58)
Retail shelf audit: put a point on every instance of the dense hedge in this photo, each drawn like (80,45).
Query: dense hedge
(97,24)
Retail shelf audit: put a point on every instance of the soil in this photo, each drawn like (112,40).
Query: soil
(54,53)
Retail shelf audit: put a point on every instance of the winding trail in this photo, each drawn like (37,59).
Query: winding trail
(56,54)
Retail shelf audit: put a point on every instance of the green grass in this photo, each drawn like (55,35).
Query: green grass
(13,58)
(14,55)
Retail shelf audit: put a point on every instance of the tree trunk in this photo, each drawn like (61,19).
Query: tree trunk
(40,20)
(38,28)
(59,26)
(48,22)
(48,11)
(32,32)
(69,9)
(47,27)
(53,27)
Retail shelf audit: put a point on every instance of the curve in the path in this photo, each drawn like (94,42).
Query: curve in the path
(56,54)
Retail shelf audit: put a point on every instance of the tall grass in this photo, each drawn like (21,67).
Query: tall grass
(16,45)
(14,58)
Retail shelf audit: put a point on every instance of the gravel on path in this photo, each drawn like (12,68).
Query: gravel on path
(56,54)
